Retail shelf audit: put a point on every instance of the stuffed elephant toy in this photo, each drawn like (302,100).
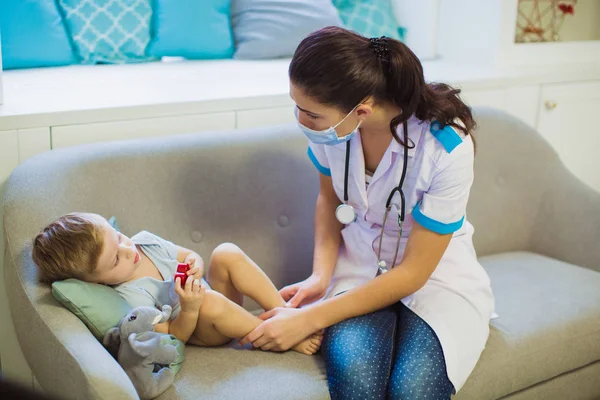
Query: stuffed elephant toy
(141,351)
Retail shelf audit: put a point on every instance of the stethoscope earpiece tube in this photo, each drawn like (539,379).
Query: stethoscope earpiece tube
(346,214)
(402,177)
(346,171)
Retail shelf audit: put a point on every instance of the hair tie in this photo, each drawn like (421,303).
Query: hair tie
(380,47)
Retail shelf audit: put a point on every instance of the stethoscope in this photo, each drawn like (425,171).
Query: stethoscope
(346,214)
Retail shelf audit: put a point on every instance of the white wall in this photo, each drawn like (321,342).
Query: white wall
(420,19)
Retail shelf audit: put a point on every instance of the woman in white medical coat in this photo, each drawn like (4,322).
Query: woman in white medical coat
(402,322)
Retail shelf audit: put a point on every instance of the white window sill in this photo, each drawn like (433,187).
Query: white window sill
(84,94)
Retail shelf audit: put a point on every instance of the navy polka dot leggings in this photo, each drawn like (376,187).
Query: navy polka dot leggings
(391,353)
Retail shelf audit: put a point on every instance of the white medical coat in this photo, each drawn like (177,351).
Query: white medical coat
(457,301)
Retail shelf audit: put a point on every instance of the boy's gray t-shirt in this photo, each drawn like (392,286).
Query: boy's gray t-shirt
(148,291)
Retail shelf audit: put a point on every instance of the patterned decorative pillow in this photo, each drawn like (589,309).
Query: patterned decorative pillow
(370,18)
(109,31)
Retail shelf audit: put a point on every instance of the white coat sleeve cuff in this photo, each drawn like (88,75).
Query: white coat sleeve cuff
(442,228)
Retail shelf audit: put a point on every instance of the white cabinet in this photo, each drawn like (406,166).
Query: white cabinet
(72,135)
(33,141)
(493,98)
(9,154)
(264,117)
(520,101)
(568,119)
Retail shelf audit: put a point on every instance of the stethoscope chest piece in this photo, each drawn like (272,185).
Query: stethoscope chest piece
(382,267)
(345,214)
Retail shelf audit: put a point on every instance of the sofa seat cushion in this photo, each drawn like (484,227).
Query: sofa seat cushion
(549,323)
(233,373)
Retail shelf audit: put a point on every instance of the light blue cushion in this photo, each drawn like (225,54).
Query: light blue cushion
(112,221)
(274,28)
(194,29)
(33,35)
(109,31)
(370,18)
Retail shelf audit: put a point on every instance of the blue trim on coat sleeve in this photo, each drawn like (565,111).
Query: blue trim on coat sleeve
(447,136)
(433,225)
(322,169)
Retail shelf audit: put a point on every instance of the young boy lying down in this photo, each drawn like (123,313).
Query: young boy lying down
(141,269)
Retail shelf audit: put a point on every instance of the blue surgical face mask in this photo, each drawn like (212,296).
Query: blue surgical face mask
(327,136)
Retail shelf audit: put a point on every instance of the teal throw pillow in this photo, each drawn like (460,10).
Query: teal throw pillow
(370,18)
(33,35)
(193,29)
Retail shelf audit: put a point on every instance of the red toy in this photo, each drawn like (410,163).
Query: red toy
(181,273)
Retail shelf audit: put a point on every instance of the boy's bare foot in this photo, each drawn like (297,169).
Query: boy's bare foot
(310,345)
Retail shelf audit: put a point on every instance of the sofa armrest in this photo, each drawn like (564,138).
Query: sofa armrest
(64,356)
(568,222)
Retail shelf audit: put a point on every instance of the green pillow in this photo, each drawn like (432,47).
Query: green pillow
(180,346)
(99,307)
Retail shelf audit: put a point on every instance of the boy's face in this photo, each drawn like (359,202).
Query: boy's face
(119,258)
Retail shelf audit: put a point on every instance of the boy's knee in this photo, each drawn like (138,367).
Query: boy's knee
(225,255)
(213,305)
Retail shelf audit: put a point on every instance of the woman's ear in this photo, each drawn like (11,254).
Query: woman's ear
(365,108)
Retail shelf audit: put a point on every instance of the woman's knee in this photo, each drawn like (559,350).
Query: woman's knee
(420,383)
(350,376)
(364,333)
(419,369)
(358,355)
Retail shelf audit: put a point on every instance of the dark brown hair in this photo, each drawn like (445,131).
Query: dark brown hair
(340,68)
(68,248)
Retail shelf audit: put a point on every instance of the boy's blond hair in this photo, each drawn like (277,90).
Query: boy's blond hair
(69,247)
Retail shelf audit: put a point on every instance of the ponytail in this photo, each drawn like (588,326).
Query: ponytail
(407,89)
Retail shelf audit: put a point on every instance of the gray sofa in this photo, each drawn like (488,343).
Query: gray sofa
(537,234)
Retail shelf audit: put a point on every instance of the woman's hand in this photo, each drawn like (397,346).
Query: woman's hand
(283,328)
(308,291)
(196,266)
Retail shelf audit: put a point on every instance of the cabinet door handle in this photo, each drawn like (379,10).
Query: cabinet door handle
(550,105)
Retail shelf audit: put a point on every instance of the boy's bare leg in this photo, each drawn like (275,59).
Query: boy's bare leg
(221,320)
(234,274)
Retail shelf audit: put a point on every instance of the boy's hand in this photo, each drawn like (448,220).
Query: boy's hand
(196,266)
(191,295)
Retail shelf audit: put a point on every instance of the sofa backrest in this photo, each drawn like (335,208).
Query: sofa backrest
(256,188)
(514,169)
